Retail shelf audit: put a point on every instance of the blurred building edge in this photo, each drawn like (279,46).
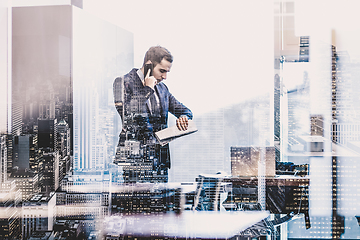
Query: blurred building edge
(10,211)
(77,3)
(28,3)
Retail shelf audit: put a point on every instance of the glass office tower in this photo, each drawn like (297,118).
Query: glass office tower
(64,63)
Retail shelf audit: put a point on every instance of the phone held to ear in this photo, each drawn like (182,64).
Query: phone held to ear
(148,67)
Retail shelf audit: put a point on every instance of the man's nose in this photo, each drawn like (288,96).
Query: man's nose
(164,76)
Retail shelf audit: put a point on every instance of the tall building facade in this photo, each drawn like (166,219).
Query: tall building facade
(9,146)
(84,195)
(38,214)
(16,116)
(344,98)
(24,151)
(49,172)
(48,134)
(26,181)
(73,66)
(64,138)
(3,159)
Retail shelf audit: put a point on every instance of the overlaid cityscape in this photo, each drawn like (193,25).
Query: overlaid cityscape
(282,165)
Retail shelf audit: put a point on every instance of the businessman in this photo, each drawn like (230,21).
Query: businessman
(143,102)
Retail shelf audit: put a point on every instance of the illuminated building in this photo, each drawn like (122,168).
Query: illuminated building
(245,161)
(49,170)
(26,181)
(84,195)
(82,205)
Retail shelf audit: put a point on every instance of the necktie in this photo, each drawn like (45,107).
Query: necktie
(154,103)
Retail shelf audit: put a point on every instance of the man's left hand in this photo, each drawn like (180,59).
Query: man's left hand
(182,123)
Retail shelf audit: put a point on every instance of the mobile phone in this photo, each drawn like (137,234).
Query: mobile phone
(146,69)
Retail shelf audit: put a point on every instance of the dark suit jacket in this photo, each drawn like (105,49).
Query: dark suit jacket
(131,102)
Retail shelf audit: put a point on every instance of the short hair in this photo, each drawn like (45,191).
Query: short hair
(156,54)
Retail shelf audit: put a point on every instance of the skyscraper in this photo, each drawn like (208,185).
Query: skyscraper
(16,117)
(304,49)
(49,172)
(73,66)
(47,134)
(64,138)
(24,151)
(345,96)
(3,159)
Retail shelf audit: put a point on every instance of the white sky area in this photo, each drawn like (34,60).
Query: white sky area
(223,50)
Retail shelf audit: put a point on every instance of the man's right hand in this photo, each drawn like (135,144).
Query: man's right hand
(182,123)
(150,81)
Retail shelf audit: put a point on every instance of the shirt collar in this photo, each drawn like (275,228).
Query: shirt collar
(141,75)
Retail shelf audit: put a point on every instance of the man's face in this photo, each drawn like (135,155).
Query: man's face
(160,70)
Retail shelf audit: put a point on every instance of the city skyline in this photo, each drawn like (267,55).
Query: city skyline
(57,146)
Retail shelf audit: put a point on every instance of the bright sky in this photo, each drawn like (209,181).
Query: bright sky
(223,50)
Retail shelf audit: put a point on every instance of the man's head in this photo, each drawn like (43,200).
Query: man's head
(156,54)
(161,59)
